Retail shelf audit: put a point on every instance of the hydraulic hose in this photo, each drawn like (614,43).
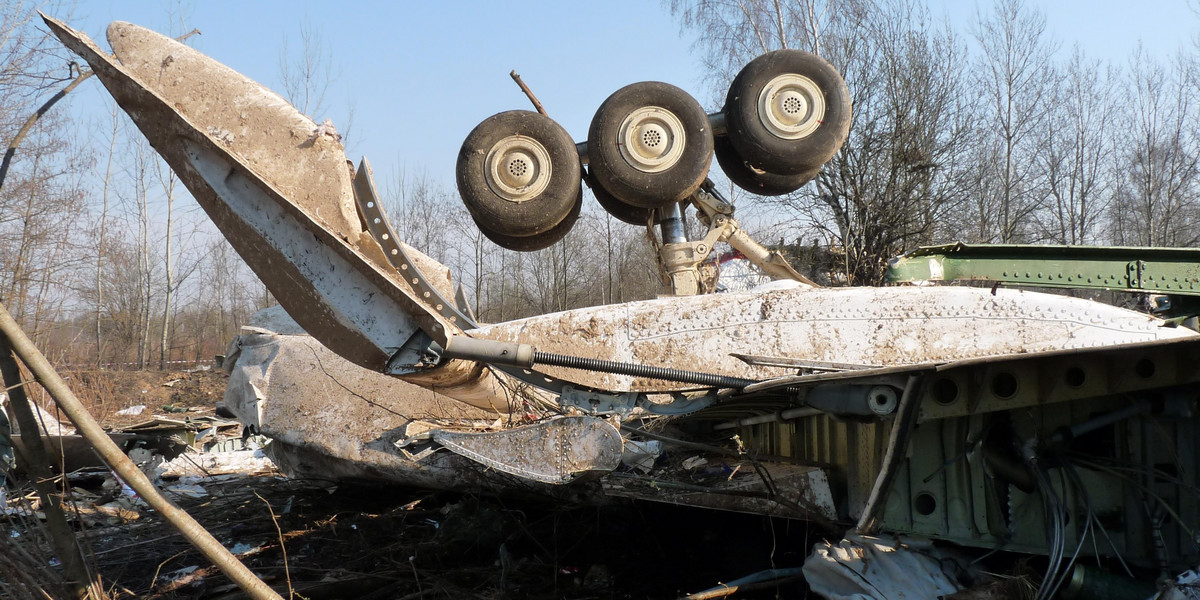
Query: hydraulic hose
(525,356)
(636,370)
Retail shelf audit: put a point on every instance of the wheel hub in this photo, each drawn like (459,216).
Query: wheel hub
(518,168)
(791,106)
(651,139)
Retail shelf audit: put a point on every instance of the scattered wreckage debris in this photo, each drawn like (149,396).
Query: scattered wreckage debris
(995,419)
(13,344)
(170,438)
(393,431)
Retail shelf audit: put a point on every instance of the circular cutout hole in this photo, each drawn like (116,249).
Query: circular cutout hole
(924,504)
(1144,368)
(1004,385)
(1075,376)
(882,399)
(945,391)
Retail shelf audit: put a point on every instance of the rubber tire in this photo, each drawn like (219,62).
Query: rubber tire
(626,213)
(762,183)
(756,144)
(635,187)
(537,241)
(529,217)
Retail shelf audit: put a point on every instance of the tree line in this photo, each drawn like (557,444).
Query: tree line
(993,134)
(996,134)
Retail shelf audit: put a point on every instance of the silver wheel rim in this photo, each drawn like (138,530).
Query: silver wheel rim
(518,168)
(791,106)
(651,139)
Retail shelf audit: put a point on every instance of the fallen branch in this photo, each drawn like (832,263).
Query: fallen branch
(33,119)
(287,574)
(45,108)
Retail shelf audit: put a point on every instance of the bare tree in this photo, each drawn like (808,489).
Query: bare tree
(103,232)
(421,211)
(142,157)
(40,207)
(1075,151)
(168,184)
(30,64)
(39,193)
(307,74)
(1158,170)
(1014,74)
(474,256)
(903,167)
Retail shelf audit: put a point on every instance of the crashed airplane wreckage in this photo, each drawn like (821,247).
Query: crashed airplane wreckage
(995,418)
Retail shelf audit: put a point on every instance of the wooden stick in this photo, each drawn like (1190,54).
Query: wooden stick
(37,466)
(528,92)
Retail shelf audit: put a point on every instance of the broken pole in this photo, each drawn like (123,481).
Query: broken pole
(87,426)
(528,92)
(37,467)
(871,518)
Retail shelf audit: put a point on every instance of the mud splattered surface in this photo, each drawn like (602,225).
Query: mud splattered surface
(299,157)
(868,326)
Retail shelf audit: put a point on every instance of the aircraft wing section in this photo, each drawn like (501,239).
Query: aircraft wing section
(330,287)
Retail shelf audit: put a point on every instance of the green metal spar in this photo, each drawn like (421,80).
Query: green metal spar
(1174,271)
(1169,271)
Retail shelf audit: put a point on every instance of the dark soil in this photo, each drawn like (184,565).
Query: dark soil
(371,542)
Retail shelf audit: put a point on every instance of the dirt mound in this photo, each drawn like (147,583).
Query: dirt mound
(106,392)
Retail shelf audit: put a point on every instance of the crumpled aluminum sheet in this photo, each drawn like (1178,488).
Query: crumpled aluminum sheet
(876,568)
(553,451)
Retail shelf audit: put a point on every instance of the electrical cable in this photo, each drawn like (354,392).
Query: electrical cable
(1066,471)
(1055,528)
(1166,506)
(1092,518)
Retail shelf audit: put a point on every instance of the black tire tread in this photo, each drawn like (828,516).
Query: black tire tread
(758,146)
(622,211)
(530,217)
(538,241)
(744,176)
(637,188)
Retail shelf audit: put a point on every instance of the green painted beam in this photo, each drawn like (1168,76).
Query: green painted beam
(1173,271)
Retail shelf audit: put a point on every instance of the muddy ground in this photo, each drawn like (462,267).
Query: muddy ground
(305,538)
(183,392)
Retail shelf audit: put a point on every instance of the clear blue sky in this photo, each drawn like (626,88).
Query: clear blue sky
(420,75)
